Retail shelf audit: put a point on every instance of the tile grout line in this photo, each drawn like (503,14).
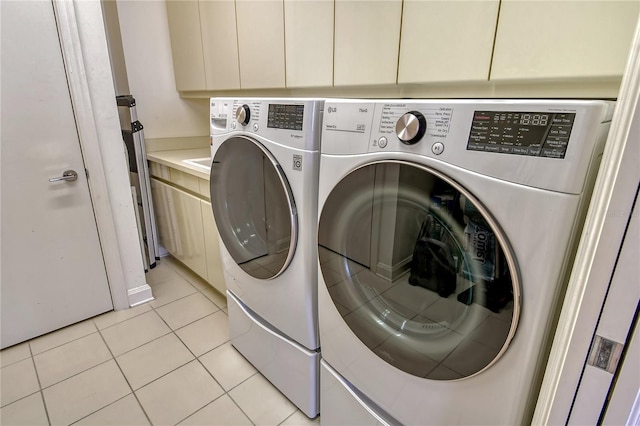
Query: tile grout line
(108,405)
(195,358)
(66,342)
(125,379)
(225,392)
(19,360)
(40,391)
(119,322)
(113,357)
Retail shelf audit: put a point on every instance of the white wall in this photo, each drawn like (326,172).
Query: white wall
(147,51)
(116,55)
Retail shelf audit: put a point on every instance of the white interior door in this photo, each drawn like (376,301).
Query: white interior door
(53,272)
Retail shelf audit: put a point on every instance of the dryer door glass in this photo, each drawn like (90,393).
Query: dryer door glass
(419,270)
(253,207)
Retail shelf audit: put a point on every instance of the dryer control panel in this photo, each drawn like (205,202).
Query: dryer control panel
(292,122)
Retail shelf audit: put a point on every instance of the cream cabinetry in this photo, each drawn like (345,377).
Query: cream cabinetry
(180,229)
(367,36)
(204,44)
(563,39)
(308,30)
(446,41)
(185,222)
(186,44)
(278,44)
(261,43)
(219,44)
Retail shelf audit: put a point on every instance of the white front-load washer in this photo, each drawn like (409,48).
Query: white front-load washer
(446,230)
(264,189)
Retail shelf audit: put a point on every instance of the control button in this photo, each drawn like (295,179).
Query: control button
(233,125)
(411,127)
(255,127)
(382,142)
(437,148)
(243,114)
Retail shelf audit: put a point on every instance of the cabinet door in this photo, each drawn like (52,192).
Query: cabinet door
(309,42)
(367,36)
(186,44)
(446,40)
(563,39)
(179,223)
(261,43)
(215,277)
(220,44)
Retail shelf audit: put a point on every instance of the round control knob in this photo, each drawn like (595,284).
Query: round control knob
(411,127)
(243,114)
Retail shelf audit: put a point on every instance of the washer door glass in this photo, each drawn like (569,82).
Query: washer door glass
(253,207)
(419,270)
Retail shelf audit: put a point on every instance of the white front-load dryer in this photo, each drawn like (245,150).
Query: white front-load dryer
(264,189)
(445,231)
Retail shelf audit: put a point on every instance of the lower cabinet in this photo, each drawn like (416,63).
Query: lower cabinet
(179,222)
(187,230)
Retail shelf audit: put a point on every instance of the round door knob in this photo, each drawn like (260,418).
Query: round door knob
(243,114)
(411,127)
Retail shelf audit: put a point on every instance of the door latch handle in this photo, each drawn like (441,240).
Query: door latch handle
(68,175)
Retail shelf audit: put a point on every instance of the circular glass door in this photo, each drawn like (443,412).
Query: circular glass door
(419,270)
(253,207)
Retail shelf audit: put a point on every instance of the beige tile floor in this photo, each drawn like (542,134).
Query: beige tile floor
(166,362)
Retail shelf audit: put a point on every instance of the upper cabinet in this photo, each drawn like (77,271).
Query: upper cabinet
(186,44)
(308,30)
(219,44)
(204,44)
(367,36)
(447,40)
(563,39)
(289,44)
(261,43)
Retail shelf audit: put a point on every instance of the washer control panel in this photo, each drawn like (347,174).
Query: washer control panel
(537,134)
(541,143)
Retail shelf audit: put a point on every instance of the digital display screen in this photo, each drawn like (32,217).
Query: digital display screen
(534,119)
(521,133)
(282,116)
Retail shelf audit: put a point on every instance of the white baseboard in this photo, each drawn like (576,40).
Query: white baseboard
(140,295)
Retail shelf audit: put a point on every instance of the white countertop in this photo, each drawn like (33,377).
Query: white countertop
(174,159)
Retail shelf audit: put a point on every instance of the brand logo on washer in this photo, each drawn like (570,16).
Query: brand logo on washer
(332,109)
(297,162)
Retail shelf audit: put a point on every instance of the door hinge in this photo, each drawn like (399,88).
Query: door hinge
(605,354)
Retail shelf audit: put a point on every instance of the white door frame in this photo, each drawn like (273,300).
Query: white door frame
(602,237)
(85,53)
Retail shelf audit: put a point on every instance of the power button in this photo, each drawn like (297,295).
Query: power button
(382,142)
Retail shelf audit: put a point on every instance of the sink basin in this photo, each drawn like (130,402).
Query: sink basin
(203,163)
